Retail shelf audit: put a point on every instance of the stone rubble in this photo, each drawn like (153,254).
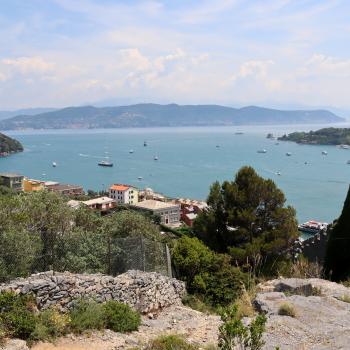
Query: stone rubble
(147,292)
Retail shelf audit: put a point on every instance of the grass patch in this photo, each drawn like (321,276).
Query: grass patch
(287,309)
(86,315)
(170,342)
(345,298)
(196,303)
(244,304)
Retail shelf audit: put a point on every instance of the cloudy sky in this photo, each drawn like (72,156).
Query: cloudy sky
(55,53)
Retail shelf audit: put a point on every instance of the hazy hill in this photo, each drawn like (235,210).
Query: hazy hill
(29,111)
(152,115)
(9,145)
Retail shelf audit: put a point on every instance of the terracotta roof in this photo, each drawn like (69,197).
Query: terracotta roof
(119,187)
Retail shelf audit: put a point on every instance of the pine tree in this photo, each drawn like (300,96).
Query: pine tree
(337,260)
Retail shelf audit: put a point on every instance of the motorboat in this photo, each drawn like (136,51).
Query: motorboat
(144,143)
(105,163)
(155,158)
(324,153)
(262,151)
(54,164)
(288,154)
(131,151)
(313,226)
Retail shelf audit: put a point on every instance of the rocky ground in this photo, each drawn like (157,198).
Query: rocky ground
(322,321)
(322,318)
(195,326)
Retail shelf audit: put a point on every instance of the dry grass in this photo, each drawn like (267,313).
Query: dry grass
(287,309)
(244,303)
(302,268)
(345,298)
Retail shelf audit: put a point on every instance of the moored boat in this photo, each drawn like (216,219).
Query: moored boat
(262,150)
(105,163)
(312,226)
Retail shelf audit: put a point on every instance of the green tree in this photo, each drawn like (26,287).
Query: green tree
(207,273)
(337,259)
(247,217)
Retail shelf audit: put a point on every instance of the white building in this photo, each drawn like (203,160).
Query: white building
(124,194)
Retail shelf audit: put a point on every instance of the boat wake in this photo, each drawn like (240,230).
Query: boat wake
(91,156)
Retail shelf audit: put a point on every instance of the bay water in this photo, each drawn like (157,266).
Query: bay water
(189,160)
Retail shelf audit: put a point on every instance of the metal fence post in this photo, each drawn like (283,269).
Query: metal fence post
(168,260)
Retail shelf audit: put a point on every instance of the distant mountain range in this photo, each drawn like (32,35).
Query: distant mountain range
(171,115)
(28,111)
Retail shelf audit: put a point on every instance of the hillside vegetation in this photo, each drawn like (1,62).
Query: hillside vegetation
(154,115)
(9,145)
(326,136)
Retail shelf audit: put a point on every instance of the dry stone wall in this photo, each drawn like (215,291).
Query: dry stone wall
(144,291)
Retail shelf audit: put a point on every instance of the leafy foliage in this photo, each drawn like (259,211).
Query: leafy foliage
(9,145)
(86,315)
(337,259)
(120,317)
(247,218)
(234,333)
(16,315)
(206,272)
(170,342)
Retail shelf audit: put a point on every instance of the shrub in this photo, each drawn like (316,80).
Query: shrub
(234,334)
(86,315)
(244,305)
(287,309)
(50,325)
(196,302)
(120,317)
(16,315)
(170,342)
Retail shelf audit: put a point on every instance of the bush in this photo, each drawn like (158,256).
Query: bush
(345,298)
(234,334)
(50,325)
(17,315)
(120,317)
(87,315)
(170,342)
(287,310)
(196,302)
(207,273)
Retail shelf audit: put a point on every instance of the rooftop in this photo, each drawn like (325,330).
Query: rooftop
(100,200)
(154,205)
(120,187)
(62,187)
(10,175)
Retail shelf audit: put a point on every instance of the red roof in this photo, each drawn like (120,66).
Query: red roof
(118,187)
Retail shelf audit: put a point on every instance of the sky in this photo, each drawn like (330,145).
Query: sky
(276,53)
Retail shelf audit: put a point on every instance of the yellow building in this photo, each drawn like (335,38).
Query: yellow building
(30,185)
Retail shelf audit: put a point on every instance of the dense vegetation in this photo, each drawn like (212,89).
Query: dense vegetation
(337,261)
(19,318)
(327,136)
(9,145)
(39,231)
(146,115)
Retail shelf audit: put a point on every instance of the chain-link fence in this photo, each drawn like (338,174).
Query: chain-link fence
(104,254)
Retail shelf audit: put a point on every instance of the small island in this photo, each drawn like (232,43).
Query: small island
(9,145)
(326,136)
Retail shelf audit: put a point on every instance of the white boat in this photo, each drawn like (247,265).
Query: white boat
(324,153)
(155,158)
(54,164)
(262,151)
(140,178)
(288,154)
(344,146)
(278,173)
(312,226)
(105,163)
(131,151)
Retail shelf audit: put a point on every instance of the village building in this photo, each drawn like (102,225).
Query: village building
(124,194)
(30,185)
(101,203)
(168,212)
(190,209)
(65,189)
(13,181)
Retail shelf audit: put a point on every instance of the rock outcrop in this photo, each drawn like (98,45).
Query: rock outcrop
(145,291)
(322,310)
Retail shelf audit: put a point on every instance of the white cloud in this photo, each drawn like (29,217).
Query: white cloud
(29,64)
(254,68)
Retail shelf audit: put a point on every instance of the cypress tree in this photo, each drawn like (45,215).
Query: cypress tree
(337,260)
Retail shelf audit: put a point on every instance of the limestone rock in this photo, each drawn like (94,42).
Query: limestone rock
(15,344)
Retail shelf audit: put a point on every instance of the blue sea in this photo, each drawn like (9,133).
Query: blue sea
(190,159)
